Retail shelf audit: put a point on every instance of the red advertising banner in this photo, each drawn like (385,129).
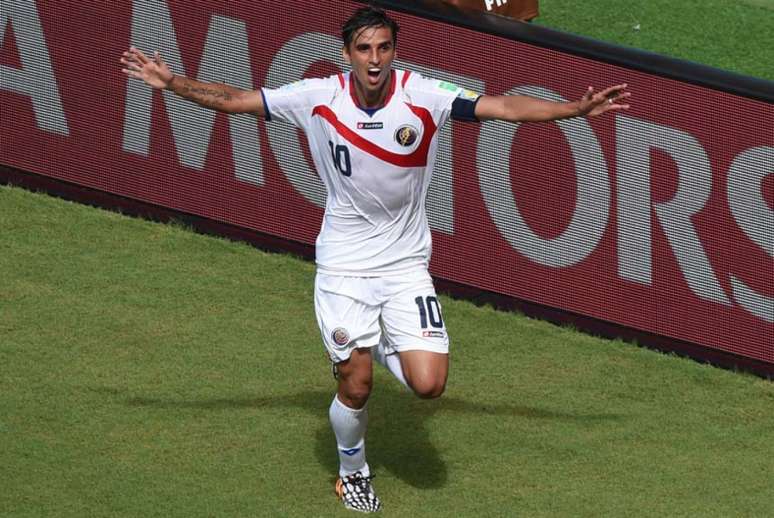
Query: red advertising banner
(659,219)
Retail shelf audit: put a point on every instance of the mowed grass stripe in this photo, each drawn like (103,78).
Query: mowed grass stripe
(150,371)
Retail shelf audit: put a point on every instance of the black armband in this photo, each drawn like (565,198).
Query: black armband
(464,109)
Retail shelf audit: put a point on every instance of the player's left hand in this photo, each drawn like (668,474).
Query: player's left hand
(610,99)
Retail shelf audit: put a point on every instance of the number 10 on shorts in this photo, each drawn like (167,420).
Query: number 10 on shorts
(429,311)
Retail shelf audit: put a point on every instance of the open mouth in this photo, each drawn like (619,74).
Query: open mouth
(373,74)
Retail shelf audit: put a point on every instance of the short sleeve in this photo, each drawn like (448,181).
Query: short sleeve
(439,97)
(294,102)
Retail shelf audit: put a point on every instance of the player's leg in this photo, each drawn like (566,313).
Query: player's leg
(414,328)
(348,412)
(390,360)
(349,419)
(355,379)
(349,328)
(426,372)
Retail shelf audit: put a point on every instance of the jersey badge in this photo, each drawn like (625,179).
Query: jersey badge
(406,135)
(340,336)
(370,125)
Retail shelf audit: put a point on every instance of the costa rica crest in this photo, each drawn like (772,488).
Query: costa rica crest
(406,135)
(340,336)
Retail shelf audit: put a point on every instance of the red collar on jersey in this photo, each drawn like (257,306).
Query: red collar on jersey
(386,99)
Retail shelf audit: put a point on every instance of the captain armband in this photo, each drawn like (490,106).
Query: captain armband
(464,109)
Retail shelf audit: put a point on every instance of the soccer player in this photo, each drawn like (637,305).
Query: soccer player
(373,135)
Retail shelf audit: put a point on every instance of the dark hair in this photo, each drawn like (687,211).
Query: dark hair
(367,17)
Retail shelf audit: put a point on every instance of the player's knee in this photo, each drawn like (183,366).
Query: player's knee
(355,395)
(428,388)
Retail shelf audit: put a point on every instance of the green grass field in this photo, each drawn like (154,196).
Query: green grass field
(148,371)
(735,35)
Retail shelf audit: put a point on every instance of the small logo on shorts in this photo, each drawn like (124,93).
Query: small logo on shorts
(406,135)
(432,334)
(340,336)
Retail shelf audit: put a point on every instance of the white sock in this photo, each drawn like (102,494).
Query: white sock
(391,362)
(349,426)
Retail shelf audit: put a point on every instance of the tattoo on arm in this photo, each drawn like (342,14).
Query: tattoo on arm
(205,94)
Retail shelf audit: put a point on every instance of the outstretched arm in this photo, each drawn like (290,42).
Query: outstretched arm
(522,108)
(156,73)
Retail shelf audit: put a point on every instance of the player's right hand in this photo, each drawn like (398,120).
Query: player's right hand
(155,72)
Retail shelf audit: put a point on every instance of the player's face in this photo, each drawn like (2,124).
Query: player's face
(371,53)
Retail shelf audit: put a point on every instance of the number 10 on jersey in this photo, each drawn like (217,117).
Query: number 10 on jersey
(340,156)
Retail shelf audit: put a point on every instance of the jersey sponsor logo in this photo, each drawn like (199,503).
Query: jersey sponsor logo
(340,336)
(406,135)
(432,334)
(370,125)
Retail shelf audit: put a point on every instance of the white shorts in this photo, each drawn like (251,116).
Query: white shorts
(402,312)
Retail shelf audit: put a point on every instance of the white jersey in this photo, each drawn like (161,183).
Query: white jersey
(375,168)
